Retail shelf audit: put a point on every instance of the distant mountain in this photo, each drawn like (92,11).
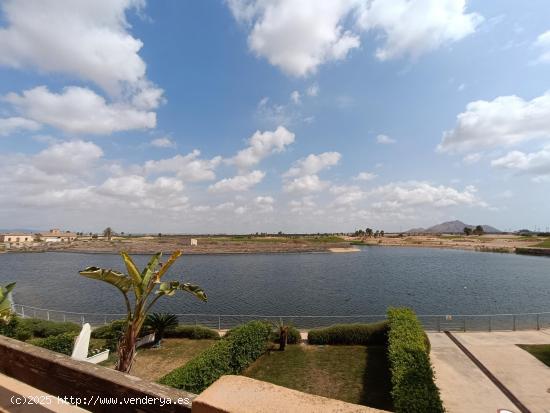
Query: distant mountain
(452,227)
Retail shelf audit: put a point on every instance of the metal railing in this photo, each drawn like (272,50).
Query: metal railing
(430,322)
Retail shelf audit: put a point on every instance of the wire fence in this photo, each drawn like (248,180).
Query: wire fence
(431,322)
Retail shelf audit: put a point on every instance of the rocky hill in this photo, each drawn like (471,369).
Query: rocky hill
(452,227)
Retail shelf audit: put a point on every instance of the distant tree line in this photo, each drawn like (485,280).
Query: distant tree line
(369,233)
(478,230)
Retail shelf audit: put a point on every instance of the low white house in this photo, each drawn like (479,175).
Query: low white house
(16,239)
(55,235)
(194,242)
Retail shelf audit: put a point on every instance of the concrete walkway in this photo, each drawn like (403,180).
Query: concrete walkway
(464,388)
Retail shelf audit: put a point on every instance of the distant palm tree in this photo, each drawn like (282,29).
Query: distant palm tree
(160,323)
(108,233)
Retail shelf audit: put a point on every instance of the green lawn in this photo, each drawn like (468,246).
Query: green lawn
(540,351)
(356,374)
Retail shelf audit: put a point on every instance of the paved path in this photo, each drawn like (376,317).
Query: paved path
(464,388)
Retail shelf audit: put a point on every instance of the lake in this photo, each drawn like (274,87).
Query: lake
(431,281)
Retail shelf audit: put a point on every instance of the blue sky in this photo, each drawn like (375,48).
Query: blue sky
(268,115)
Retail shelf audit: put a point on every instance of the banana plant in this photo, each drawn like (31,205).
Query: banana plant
(141,290)
(5,302)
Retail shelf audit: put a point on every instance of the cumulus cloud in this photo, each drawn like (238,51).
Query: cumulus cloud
(264,204)
(305,184)
(261,145)
(414,27)
(86,39)
(238,183)
(163,142)
(300,36)
(15,124)
(534,163)
(295,97)
(313,164)
(346,195)
(543,44)
(313,90)
(365,176)
(297,36)
(73,157)
(413,194)
(79,110)
(385,140)
(188,168)
(502,122)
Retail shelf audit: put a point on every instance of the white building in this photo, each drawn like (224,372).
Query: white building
(55,235)
(16,239)
(194,242)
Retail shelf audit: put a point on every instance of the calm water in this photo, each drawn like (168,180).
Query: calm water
(428,280)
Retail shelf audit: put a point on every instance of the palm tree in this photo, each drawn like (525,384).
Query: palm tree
(283,335)
(467,231)
(5,302)
(159,323)
(139,286)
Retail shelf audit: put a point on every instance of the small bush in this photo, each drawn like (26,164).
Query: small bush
(45,328)
(62,343)
(111,331)
(350,334)
(192,332)
(293,337)
(413,387)
(230,355)
(9,328)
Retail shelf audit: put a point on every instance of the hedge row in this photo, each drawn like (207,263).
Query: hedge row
(192,332)
(293,336)
(62,343)
(230,355)
(350,334)
(26,328)
(413,387)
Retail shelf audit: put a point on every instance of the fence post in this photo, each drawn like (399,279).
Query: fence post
(490,324)
(514,319)
(538,322)
(82,320)
(64,317)
(464,324)
(219,323)
(438,325)
(48,315)
(22,311)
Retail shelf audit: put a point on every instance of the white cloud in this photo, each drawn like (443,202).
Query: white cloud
(297,36)
(261,145)
(73,157)
(313,90)
(79,110)
(414,27)
(305,184)
(295,97)
(472,158)
(187,168)
(346,195)
(163,142)
(300,36)
(313,164)
(238,183)
(461,87)
(15,124)
(535,163)
(87,39)
(305,204)
(365,176)
(502,122)
(385,140)
(412,194)
(543,44)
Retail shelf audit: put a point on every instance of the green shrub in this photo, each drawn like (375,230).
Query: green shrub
(413,387)
(230,355)
(293,337)
(350,334)
(193,332)
(111,331)
(9,328)
(62,343)
(45,328)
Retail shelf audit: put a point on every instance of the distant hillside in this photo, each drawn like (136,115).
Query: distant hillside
(452,227)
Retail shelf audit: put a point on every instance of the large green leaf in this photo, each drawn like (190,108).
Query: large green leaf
(149,270)
(5,303)
(118,279)
(166,266)
(170,288)
(134,273)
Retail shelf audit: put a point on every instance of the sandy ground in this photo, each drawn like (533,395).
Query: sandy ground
(279,244)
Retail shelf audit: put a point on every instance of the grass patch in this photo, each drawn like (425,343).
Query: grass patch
(542,244)
(151,364)
(355,374)
(540,351)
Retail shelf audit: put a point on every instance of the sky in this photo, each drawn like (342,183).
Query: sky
(244,116)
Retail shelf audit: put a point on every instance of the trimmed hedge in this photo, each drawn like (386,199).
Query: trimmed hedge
(293,337)
(111,331)
(413,387)
(44,328)
(192,332)
(230,355)
(350,334)
(9,328)
(62,343)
